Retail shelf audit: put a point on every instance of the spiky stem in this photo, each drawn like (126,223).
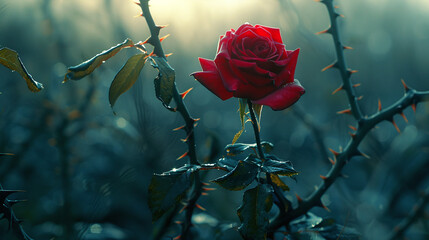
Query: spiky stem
(410,98)
(189,122)
(341,62)
(181,107)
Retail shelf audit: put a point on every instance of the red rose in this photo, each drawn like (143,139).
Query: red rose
(253,63)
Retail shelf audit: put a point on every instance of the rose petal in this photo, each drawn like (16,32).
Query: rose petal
(274,32)
(230,81)
(211,79)
(282,98)
(292,64)
(207,65)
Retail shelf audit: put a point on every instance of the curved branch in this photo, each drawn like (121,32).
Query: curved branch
(410,97)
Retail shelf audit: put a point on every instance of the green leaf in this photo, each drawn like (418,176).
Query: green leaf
(277,180)
(164,83)
(253,212)
(237,148)
(87,67)
(227,163)
(274,165)
(239,178)
(10,59)
(168,189)
(126,77)
(321,228)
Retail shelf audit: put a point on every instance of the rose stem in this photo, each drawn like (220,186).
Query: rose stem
(256,130)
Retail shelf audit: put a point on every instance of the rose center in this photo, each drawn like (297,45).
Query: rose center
(261,49)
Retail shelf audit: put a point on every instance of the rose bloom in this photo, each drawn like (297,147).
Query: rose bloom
(252,62)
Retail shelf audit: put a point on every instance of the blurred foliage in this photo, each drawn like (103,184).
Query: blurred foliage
(112,158)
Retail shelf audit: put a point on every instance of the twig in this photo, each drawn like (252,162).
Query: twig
(418,210)
(189,121)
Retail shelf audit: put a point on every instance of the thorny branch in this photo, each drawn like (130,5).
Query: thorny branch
(189,121)
(365,124)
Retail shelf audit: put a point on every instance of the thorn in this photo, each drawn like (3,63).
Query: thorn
(200,207)
(396,126)
(403,116)
(168,54)
(334,152)
(136,3)
(332,161)
(139,15)
(186,139)
(162,26)
(347,47)
(208,189)
(163,38)
(359,98)
(345,111)
(340,15)
(356,85)
(352,127)
(178,237)
(178,128)
(183,95)
(183,155)
(323,177)
(337,7)
(326,208)
(205,184)
(204,194)
(379,105)
(333,65)
(328,30)
(178,222)
(298,198)
(338,89)
(7,154)
(352,135)
(405,85)
(151,54)
(413,106)
(352,71)
(183,209)
(196,119)
(364,155)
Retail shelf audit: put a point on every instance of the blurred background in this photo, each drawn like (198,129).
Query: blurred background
(84,167)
